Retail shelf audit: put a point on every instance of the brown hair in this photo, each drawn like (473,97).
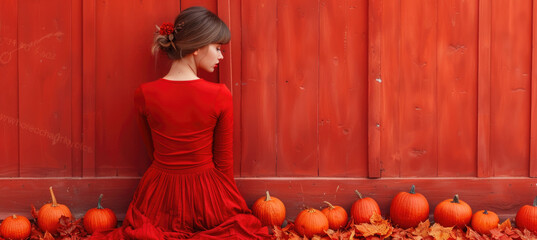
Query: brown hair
(195,27)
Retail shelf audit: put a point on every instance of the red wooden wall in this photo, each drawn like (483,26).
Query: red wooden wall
(329,96)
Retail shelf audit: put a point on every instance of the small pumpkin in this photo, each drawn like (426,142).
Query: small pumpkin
(483,221)
(99,218)
(15,227)
(363,208)
(408,209)
(48,217)
(311,222)
(453,213)
(270,210)
(526,217)
(336,215)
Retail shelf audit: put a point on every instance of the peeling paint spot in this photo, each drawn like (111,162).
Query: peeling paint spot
(335,60)
(518,90)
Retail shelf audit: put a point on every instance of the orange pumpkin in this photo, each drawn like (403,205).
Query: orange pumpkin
(456,212)
(99,218)
(15,227)
(483,221)
(526,217)
(363,208)
(270,210)
(408,209)
(336,215)
(48,217)
(311,222)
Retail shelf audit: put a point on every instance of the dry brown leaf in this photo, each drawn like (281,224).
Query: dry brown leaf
(458,234)
(505,224)
(47,236)
(278,233)
(34,212)
(473,235)
(338,235)
(422,230)
(378,226)
(525,235)
(439,232)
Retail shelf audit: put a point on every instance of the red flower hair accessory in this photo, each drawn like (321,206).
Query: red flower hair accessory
(166,29)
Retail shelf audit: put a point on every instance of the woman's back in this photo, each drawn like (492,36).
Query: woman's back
(182,116)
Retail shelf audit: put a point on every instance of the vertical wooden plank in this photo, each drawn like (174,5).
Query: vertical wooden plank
(122,67)
(484,164)
(88,86)
(45,89)
(9,104)
(510,87)
(342,106)
(358,71)
(374,80)
(457,87)
(418,103)
(76,87)
(297,86)
(389,95)
(533,127)
(230,70)
(259,98)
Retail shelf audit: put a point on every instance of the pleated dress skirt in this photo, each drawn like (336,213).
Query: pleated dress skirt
(193,203)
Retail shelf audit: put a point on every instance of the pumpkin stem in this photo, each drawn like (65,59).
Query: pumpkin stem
(455,198)
(485,212)
(329,205)
(359,194)
(413,189)
(99,206)
(14,216)
(535,202)
(54,202)
(268,197)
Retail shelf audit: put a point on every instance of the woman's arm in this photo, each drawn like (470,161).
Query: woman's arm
(143,124)
(223,134)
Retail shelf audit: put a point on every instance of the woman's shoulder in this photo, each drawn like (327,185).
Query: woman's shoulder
(161,84)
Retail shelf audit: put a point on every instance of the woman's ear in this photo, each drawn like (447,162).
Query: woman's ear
(195,53)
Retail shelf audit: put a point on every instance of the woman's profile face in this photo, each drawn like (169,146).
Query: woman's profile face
(208,57)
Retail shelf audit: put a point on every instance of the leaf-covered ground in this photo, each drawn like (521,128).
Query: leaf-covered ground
(379,228)
(70,229)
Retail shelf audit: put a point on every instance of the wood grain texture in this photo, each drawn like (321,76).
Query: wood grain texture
(342,88)
(390,78)
(9,93)
(375,123)
(417,102)
(45,90)
(230,72)
(510,87)
(76,87)
(116,78)
(88,87)
(297,88)
(456,89)
(533,127)
(259,92)
(484,164)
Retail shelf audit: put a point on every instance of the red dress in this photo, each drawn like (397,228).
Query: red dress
(189,191)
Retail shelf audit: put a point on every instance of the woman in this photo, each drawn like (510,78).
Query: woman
(188,192)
